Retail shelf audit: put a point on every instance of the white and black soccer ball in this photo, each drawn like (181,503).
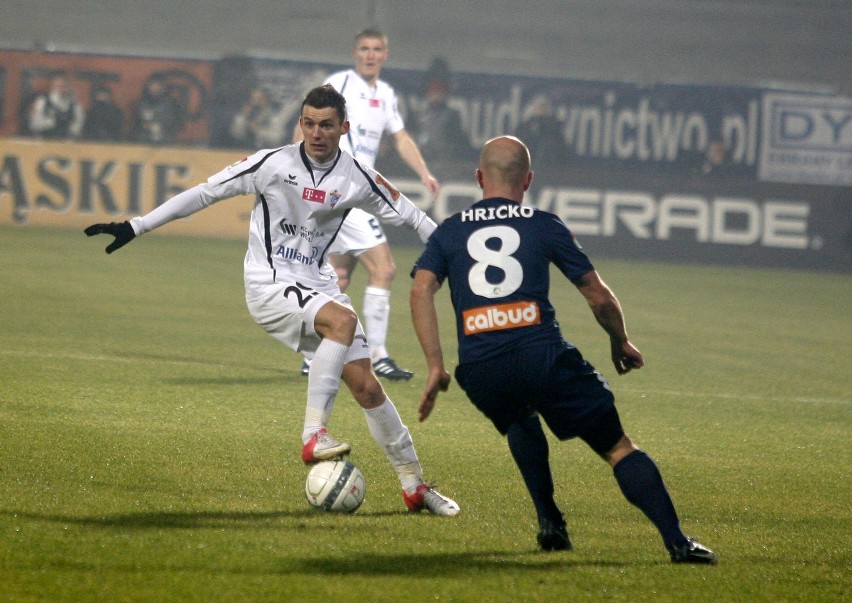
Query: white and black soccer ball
(335,486)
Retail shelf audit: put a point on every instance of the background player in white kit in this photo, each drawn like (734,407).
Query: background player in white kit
(372,111)
(302,194)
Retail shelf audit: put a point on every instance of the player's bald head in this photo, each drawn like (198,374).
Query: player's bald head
(505,161)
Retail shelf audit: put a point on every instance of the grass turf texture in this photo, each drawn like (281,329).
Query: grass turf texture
(149,442)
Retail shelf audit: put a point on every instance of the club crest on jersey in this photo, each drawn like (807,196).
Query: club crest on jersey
(334,198)
(388,186)
(313,195)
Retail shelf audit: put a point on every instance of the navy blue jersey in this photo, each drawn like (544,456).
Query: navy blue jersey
(497,255)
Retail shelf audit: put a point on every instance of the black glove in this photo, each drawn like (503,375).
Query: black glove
(122,231)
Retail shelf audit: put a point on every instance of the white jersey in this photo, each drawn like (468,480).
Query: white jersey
(298,209)
(371,111)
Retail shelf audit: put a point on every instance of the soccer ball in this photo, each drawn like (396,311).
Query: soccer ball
(335,486)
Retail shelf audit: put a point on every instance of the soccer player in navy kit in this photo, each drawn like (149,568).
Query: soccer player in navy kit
(303,193)
(514,364)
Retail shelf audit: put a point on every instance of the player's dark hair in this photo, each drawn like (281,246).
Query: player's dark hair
(326,96)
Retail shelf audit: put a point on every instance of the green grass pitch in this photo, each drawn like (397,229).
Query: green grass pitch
(149,442)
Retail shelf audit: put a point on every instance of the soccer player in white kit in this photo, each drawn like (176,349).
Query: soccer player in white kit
(303,192)
(372,111)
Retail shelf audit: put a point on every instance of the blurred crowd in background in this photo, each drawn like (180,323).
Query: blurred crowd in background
(252,117)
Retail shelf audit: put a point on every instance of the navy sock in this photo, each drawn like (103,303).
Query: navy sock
(641,483)
(529,448)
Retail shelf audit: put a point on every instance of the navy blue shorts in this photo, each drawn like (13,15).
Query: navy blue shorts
(552,380)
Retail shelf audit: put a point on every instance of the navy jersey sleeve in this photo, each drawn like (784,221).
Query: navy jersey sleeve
(433,257)
(565,251)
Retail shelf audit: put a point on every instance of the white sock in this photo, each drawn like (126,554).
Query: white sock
(376,314)
(393,436)
(323,383)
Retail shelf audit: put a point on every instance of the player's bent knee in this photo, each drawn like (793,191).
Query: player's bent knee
(337,322)
(622,448)
(363,384)
(370,394)
(373,395)
(386,273)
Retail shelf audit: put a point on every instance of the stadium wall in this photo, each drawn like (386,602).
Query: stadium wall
(629,186)
(73,185)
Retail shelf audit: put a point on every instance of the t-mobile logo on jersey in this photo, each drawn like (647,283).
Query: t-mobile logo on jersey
(500,316)
(313,195)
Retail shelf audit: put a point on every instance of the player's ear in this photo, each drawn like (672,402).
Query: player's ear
(479,178)
(528,180)
(344,127)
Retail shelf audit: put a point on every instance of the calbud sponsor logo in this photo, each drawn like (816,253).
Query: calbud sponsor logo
(500,316)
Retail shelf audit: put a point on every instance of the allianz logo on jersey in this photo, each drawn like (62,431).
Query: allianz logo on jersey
(289,253)
(500,316)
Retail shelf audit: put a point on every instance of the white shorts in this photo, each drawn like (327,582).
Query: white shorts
(360,231)
(287,310)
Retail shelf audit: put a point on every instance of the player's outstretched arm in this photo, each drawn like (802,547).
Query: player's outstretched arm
(122,231)
(425,319)
(437,380)
(181,205)
(607,311)
(410,153)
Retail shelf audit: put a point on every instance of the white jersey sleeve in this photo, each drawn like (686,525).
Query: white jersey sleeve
(181,205)
(298,207)
(381,199)
(235,180)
